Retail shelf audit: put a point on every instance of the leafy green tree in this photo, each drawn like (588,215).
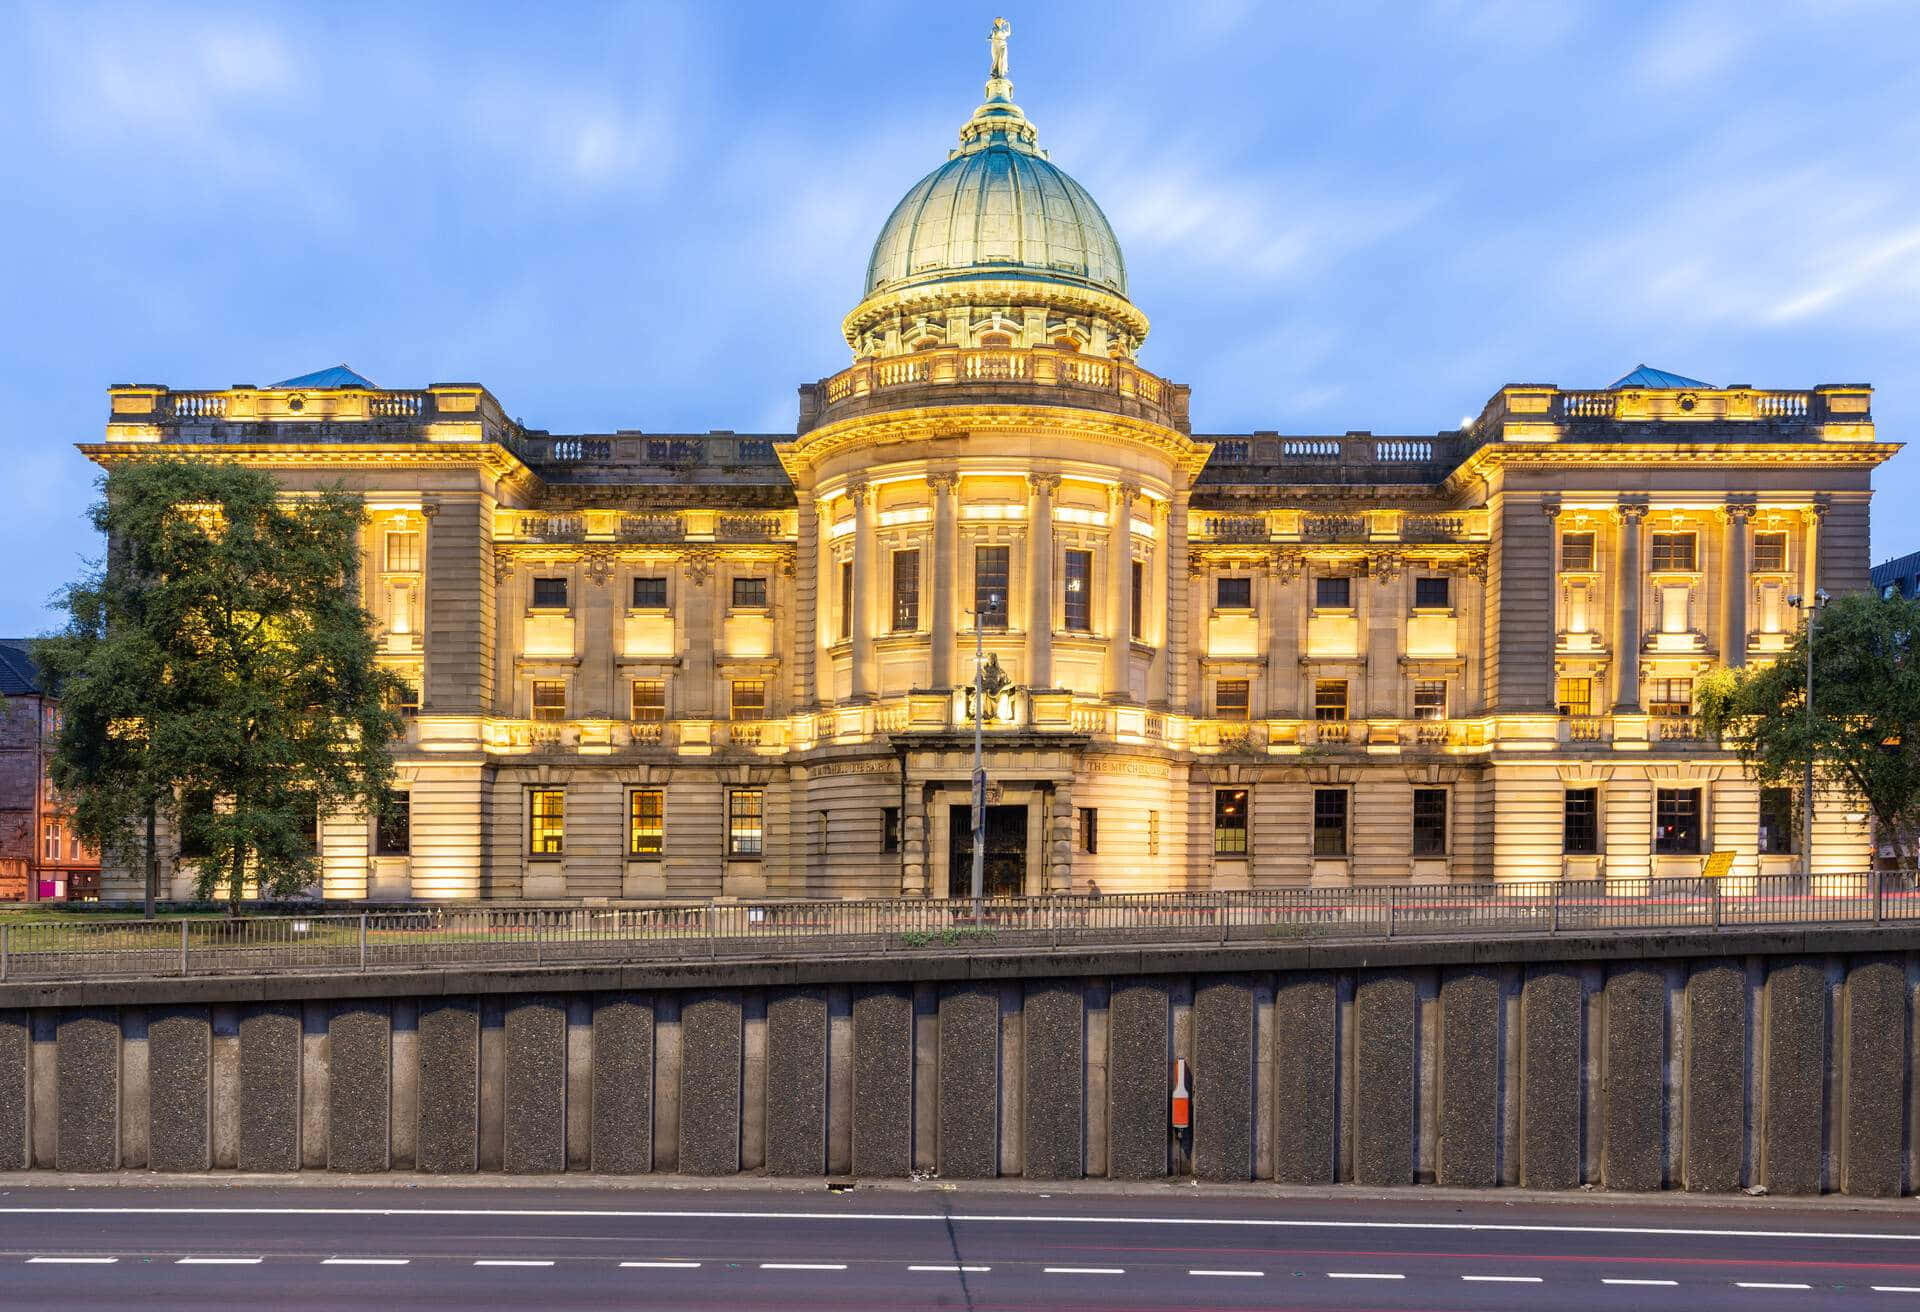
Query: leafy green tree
(1863,731)
(220,653)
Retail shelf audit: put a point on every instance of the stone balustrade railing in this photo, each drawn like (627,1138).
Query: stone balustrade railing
(1370,526)
(1036,367)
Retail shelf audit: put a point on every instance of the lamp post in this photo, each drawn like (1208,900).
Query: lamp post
(988,681)
(1811,610)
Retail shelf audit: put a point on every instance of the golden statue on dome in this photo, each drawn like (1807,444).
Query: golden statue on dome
(1002,29)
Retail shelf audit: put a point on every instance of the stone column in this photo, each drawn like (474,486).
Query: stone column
(861,687)
(1626,635)
(1810,552)
(698,606)
(1733,647)
(1177,589)
(1283,641)
(806,599)
(1156,609)
(1040,579)
(942,575)
(825,584)
(1120,592)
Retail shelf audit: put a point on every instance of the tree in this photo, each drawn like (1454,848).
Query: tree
(220,653)
(1863,733)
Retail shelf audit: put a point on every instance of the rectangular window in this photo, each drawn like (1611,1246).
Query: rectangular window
(1580,822)
(1230,699)
(403,553)
(1769,553)
(650,593)
(1429,822)
(1576,696)
(646,822)
(1076,611)
(846,600)
(1137,601)
(393,834)
(1433,593)
(990,587)
(1332,594)
(1330,699)
(748,700)
(1430,699)
(1329,822)
(1576,553)
(750,594)
(906,591)
(648,701)
(1153,833)
(50,841)
(196,815)
(1672,697)
(1676,821)
(1089,830)
(890,829)
(549,699)
(1233,594)
(1778,831)
(550,594)
(406,698)
(1671,552)
(1230,821)
(746,822)
(548,821)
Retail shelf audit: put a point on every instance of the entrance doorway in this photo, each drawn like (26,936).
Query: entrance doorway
(1005,873)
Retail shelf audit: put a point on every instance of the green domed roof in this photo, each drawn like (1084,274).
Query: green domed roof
(996,209)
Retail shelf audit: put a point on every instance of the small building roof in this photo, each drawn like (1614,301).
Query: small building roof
(1647,376)
(19,676)
(338,376)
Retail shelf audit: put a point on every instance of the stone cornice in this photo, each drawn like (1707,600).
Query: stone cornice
(1722,455)
(495,459)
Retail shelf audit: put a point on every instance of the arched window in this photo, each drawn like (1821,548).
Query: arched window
(996,339)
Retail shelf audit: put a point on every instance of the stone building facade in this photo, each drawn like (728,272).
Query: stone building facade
(703,665)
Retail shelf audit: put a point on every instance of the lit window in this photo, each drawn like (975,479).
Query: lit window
(1330,699)
(403,553)
(547,830)
(749,699)
(1429,822)
(1329,822)
(1333,594)
(1230,699)
(550,594)
(1672,552)
(1430,700)
(1233,594)
(1433,593)
(647,700)
(1676,821)
(549,699)
(1769,553)
(1576,696)
(1077,603)
(650,593)
(750,594)
(50,841)
(646,821)
(1137,601)
(1671,697)
(1580,824)
(1089,829)
(1576,552)
(745,822)
(393,836)
(1777,828)
(990,587)
(846,600)
(1153,833)
(1230,821)
(906,591)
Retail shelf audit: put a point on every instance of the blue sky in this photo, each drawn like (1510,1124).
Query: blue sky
(1338,216)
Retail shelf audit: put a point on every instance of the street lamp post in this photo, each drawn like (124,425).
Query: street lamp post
(978,886)
(1812,612)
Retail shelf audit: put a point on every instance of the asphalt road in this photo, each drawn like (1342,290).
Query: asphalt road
(600,1248)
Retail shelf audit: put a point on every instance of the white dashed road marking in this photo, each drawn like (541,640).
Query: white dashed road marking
(803,1266)
(366,1261)
(513,1261)
(1896,1289)
(74,1261)
(1504,1280)
(1760,1284)
(1622,1281)
(677,1266)
(1084,1270)
(1226,1273)
(949,1268)
(1364,1275)
(218,1261)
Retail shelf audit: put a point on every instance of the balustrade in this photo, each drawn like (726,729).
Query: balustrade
(650,528)
(1333,528)
(1041,366)
(1586,405)
(748,528)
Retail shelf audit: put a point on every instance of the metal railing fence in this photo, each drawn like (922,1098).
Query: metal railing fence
(47,950)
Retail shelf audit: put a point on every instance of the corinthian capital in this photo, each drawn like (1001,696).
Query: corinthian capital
(858,491)
(943,480)
(1044,484)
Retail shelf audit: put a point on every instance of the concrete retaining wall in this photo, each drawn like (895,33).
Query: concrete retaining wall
(1787,1063)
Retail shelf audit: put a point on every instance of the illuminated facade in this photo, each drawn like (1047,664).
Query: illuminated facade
(684,666)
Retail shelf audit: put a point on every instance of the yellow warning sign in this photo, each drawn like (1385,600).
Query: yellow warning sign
(1719,865)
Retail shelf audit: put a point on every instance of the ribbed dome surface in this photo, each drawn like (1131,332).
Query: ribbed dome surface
(995,212)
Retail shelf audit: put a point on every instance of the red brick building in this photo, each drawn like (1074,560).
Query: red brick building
(41,858)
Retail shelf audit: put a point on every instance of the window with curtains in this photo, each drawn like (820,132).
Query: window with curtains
(646,821)
(990,567)
(906,591)
(1076,611)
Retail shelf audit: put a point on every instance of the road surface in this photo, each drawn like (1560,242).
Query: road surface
(1002,1250)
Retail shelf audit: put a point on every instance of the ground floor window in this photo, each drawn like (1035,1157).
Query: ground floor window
(1230,821)
(1429,822)
(1777,828)
(890,829)
(1676,821)
(746,822)
(1329,822)
(646,821)
(547,832)
(393,836)
(1089,829)
(1580,824)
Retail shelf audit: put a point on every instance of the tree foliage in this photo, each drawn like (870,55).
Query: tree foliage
(220,654)
(1863,731)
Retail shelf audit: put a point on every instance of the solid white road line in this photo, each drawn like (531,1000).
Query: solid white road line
(1620,1280)
(218,1261)
(513,1261)
(1364,1275)
(676,1266)
(1506,1227)
(803,1266)
(366,1261)
(1226,1273)
(1761,1284)
(949,1268)
(1083,1270)
(74,1261)
(1504,1280)
(1896,1289)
